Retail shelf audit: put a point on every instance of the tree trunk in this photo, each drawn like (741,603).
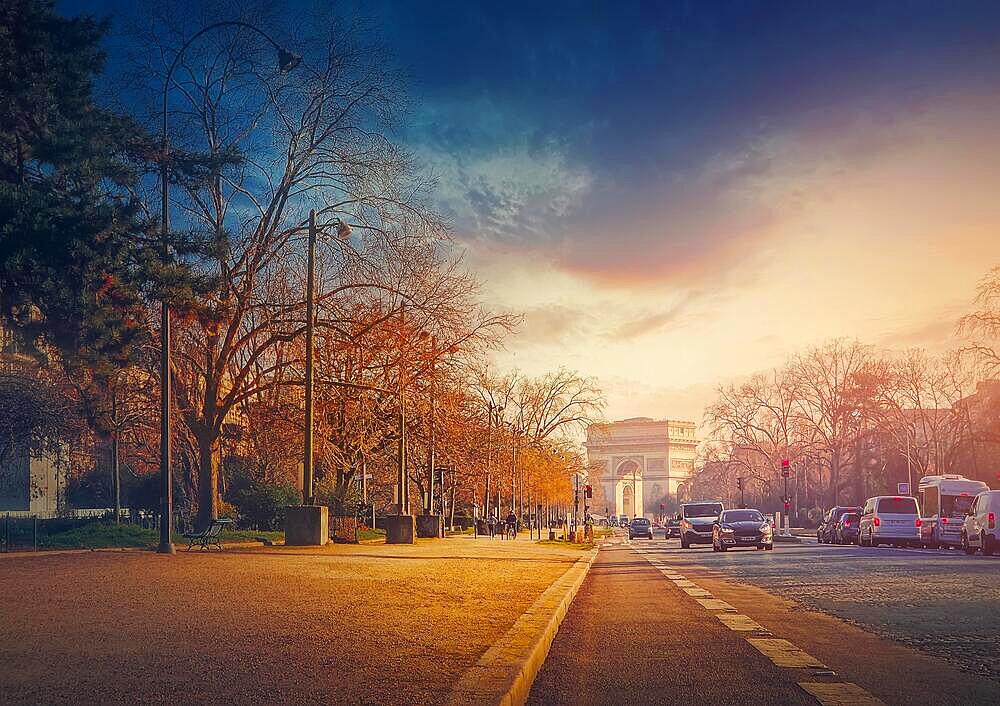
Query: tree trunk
(208,478)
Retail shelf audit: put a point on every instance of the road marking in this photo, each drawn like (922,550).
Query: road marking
(783,653)
(840,694)
(737,621)
(683,582)
(696,592)
(715,604)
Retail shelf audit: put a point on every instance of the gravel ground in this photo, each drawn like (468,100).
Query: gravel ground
(941,602)
(344,624)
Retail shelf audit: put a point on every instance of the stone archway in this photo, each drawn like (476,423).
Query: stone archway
(628,501)
(628,489)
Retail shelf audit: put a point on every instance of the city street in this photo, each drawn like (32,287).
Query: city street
(939,601)
(648,624)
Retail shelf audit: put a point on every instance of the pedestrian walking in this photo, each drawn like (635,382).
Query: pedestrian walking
(491,526)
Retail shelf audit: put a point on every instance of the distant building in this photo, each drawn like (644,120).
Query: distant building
(638,465)
(31,483)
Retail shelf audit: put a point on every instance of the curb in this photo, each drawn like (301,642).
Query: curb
(505,672)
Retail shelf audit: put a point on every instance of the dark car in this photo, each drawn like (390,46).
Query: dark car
(827,528)
(673,528)
(697,520)
(846,529)
(640,527)
(741,528)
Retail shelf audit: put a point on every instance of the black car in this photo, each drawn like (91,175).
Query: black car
(640,527)
(825,533)
(846,529)
(741,528)
(672,528)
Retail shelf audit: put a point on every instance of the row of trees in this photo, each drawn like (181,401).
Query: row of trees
(853,421)
(401,331)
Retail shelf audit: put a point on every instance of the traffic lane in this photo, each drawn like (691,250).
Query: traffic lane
(632,636)
(941,602)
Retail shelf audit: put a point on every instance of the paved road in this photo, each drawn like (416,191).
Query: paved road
(629,628)
(939,601)
(656,624)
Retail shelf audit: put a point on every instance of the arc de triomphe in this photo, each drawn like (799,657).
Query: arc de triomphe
(638,464)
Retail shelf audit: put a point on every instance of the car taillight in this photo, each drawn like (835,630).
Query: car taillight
(991,520)
(944,520)
(847,523)
(918,522)
(877,522)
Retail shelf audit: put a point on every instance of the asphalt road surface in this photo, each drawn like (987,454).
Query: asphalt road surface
(638,633)
(939,601)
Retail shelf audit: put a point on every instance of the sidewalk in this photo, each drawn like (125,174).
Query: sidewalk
(340,624)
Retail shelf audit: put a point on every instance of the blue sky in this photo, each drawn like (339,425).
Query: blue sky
(660,184)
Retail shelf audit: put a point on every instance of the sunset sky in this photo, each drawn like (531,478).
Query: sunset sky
(681,193)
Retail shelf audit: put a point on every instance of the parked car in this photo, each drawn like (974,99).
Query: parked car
(944,503)
(889,519)
(697,521)
(673,528)
(640,527)
(741,528)
(846,529)
(828,525)
(981,529)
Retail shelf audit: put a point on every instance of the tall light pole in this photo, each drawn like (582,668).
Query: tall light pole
(343,233)
(286,62)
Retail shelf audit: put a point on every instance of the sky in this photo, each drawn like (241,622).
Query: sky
(677,194)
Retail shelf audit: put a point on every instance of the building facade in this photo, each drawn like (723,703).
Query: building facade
(640,466)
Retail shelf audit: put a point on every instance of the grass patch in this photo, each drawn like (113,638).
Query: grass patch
(102,535)
(566,545)
(369,533)
(99,535)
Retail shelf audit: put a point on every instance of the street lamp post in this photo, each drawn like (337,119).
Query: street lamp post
(286,62)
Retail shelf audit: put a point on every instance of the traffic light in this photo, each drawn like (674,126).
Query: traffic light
(785,468)
(588,491)
(739,484)
(787,505)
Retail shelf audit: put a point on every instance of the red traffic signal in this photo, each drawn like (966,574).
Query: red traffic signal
(588,491)
(785,468)
(787,505)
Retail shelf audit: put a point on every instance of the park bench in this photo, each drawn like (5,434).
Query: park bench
(208,537)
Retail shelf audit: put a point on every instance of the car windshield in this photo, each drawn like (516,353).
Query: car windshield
(703,510)
(640,521)
(850,517)
(741,516)
(955,505)
(897,506)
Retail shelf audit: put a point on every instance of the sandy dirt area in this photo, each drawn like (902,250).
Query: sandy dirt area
(345,624)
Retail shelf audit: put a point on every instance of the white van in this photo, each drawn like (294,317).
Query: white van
(981,529)
(889,519)
(944,501)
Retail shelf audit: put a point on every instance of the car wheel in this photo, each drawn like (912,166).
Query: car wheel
(986,544)
(768,547)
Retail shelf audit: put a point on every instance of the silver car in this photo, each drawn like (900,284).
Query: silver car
(890,519)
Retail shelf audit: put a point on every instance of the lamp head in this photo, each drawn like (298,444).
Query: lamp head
(343,230)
